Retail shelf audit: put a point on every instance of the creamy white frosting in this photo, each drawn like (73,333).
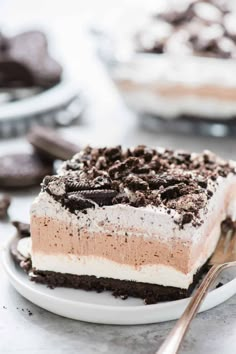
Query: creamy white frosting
(101,267)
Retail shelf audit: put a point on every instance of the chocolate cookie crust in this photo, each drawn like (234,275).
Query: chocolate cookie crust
(174,180)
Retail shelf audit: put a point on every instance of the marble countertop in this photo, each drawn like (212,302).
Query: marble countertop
(106,121)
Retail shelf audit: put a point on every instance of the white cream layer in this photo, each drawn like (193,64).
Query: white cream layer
(101,267)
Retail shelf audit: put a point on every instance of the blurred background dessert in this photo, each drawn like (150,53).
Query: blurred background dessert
(25,62)
(35,89)
(180,66)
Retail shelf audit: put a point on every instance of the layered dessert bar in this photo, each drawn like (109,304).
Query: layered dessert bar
(184,66)
(140,222)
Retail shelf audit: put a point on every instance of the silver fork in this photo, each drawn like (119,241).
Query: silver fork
(223,257)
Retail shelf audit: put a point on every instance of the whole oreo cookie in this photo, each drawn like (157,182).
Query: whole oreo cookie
(51,145)
(23,170)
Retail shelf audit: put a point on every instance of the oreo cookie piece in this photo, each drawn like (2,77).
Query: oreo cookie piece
(88,198)
(51,145)
(23,230)
(5,202)
(25,61)
(100,196)
(23,170)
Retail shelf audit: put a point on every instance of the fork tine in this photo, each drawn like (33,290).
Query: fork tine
(226,247)
(231,252)
(232,247)
(227,240)
(219,251)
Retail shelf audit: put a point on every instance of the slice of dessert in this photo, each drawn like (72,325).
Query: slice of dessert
(140,222)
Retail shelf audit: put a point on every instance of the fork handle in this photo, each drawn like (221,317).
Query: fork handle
(174,339)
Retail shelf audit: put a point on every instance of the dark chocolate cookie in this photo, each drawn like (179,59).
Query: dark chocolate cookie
(23,170)
(51,145)
(25,61)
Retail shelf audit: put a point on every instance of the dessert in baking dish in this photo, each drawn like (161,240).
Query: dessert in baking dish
(185,64)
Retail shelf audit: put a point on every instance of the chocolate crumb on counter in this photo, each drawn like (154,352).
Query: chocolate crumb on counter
(141,176)
(219,285)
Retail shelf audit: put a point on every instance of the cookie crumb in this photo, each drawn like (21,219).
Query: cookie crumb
(219,285)
(5,202)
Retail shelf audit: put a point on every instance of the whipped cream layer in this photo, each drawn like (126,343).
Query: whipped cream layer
(169,86)
(123,242)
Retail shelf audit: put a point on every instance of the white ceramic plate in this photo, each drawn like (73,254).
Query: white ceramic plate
(103,307)
(59,105)
(44,101)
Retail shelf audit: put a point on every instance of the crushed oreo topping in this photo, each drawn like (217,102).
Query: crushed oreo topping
(198,27)
(173,180)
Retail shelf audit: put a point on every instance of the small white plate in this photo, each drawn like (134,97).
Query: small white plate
(44,101)
(103,307)
(57,106)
